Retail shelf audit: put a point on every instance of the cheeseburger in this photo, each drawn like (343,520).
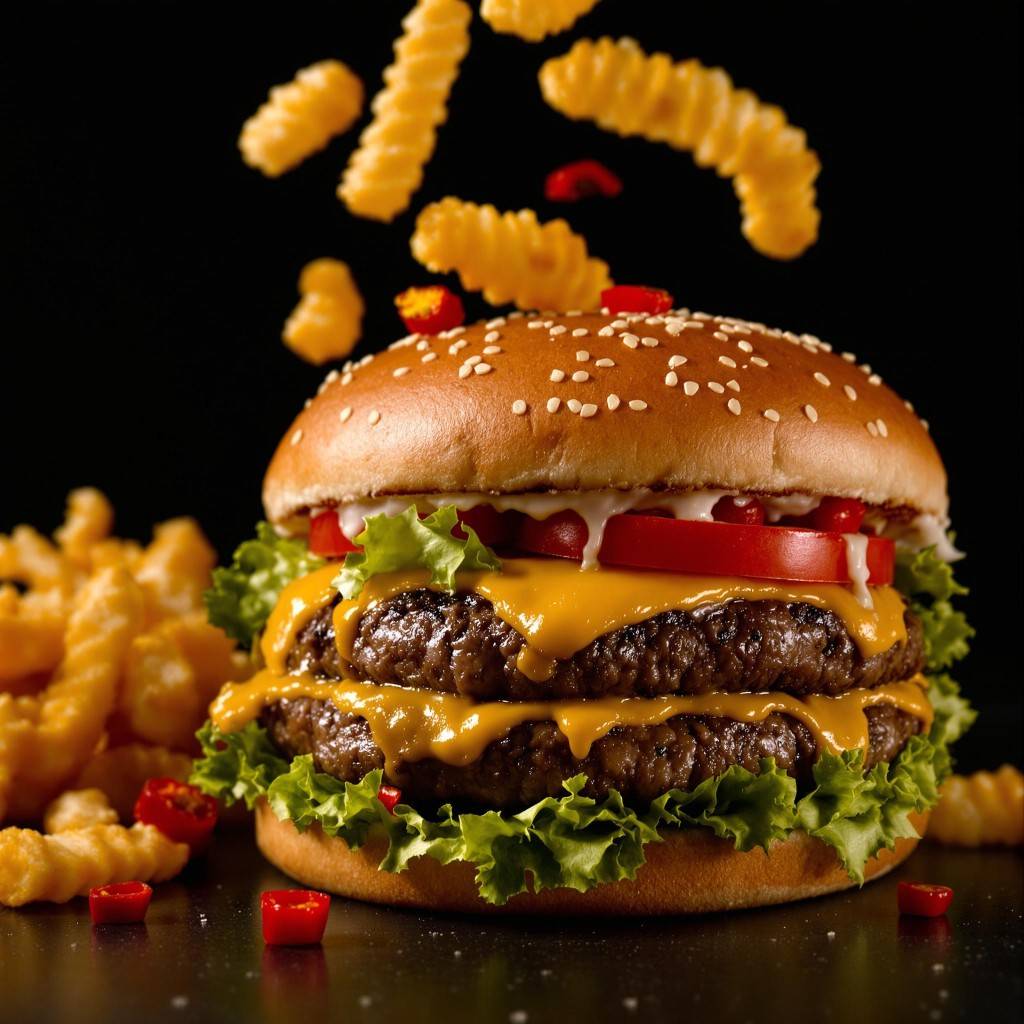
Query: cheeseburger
(635,611)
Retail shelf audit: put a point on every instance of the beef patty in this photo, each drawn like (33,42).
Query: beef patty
(456,643)
(530,762)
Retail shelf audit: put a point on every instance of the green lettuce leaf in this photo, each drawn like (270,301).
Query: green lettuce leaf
(244,594)
(929,584)
(404,541)
(576,842)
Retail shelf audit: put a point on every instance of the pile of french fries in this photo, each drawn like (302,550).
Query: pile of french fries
(107,665)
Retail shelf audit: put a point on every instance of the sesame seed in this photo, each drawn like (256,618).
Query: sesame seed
(822,379)
(675,361)
(872,429)
(534,324)
(345,414)
(400,371)
(307,403)
(674,327)
(759,360)
(909,405)
(924,423)
(557,330)
(465,371)
(588,409)
(580,376)
(556,376)
(482,368)
(606,332)
(574,405)
(498,321)
(654,320)
(638,405)
(582,356)
(613,402)
(771,414)
(733,385)
(809,347)
(492,350)
(882,428)
(849,357)
(720,336)
(619,324)
(331,377)
(429,357)
(547,323)
(366,360)
(874,379)
(472,360)
(580,332)
(734,406)
(347,378)
(811,413)
(457,346)
(296,437)
(574,312)
(865,368)
(694,325)
(630,340)
(422,345)
(649,342)
(671,378)
(691,387)
(726,361)
(604,363)
(492,335)
(374,418)
(519,407)
(516,314)
(453,332)
(851,393)
(744,346)
(553,404)
(716,387)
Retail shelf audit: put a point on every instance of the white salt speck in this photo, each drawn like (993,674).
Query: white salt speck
(179,1002)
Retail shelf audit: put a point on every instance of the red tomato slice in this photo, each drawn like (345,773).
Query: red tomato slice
(494,528)
(326,538)
(717,549)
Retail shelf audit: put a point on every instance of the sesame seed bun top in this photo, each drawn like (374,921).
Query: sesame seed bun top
(597,401)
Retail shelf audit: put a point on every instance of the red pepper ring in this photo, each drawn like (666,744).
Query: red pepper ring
(920,899)
(430,309)
(294,917)
(119,903)
(635,298)
(182,812)
(389,797)
(581,180)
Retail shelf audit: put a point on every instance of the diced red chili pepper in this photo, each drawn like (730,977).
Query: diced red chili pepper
(838,515)
(923,900)
(635,298)
(182,812)
(746,511)
(119,903)
(294,917)
(581,180)
(389,796)
(430,309)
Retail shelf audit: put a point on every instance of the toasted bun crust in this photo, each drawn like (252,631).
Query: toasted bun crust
(689,873)
(397,424)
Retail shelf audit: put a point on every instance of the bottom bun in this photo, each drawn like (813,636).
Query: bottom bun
(691,872)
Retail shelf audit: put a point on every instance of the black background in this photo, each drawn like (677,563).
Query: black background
(146,271)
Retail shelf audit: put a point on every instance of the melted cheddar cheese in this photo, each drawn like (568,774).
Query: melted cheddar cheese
(560,609)
(412,724)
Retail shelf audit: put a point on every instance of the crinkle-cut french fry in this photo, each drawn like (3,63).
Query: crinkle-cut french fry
(73,709)
(57,867)
(175,569)
(88,520)
(78,808)
(120,772)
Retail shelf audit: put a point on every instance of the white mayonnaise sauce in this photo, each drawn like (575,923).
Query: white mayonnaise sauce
(857,567)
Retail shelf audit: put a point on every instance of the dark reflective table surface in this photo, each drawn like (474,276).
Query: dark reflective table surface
(843,958)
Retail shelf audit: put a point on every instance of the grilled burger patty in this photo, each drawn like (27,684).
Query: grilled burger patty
(530,762)
(455,643)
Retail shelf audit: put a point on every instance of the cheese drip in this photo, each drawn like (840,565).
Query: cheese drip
(560,610)
(412,724)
